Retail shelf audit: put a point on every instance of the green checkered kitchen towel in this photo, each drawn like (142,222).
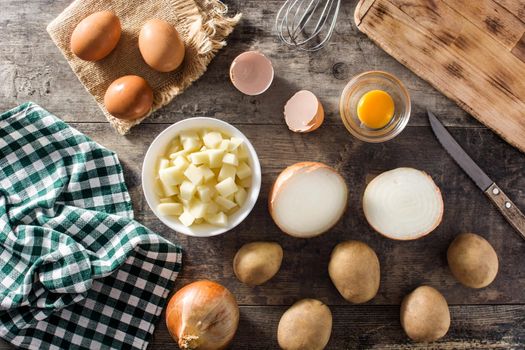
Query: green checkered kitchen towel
(77,272)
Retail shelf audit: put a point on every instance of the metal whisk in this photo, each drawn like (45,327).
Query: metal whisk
(307,24)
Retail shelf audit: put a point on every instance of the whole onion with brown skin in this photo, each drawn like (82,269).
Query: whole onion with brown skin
(202,315)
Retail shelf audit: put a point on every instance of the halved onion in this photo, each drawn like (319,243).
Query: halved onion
(403,204)
(308,199)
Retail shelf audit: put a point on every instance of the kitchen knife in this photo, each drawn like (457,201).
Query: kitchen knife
(513,215)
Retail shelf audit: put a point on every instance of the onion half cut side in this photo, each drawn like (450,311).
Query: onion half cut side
(403,204)
(308,199)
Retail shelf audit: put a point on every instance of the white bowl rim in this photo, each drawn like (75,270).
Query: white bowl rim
(201,230)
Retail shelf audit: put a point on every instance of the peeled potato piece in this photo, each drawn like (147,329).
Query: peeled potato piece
(403,204)
(308,199)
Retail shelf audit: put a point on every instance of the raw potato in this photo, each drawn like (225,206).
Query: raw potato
(308,199)
(425,316)
(198,178)
(306,325)
(472,260)
(403,204)
(257,262)
(354,270)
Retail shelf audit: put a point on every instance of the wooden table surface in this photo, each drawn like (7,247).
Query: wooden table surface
(32,69)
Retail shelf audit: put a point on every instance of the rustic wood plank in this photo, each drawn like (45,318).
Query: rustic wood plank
(517,8)
(492,18)
(376,327)
(479,91)
(404,264)
(32,68)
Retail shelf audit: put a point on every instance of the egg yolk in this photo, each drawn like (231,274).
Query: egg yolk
(375,109)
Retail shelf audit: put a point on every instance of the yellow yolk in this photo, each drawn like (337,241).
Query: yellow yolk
(375,109)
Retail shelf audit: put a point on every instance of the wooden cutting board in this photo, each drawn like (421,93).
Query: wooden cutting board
(473,51)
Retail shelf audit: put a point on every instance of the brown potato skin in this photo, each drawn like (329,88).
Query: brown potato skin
(355,271)
(472,260)
(257,262)
(425,316)
(96,36)
(306,325)
(129,97)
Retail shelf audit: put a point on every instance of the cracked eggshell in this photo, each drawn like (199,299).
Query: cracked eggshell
(251,73)
(303,112)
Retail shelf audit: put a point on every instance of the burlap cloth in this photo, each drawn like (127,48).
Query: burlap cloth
(203,25)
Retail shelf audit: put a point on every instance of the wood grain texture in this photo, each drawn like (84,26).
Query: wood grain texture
(468,45)
(31,68)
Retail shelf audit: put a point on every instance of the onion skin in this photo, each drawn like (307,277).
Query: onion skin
(202,315)
(285,175)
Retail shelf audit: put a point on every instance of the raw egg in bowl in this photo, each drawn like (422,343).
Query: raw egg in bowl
(375,106)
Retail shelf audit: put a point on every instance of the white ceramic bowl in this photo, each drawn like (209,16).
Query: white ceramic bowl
(159,145)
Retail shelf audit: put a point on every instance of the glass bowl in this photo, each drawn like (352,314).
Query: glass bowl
(361,84)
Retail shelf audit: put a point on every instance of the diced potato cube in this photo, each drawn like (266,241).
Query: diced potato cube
(191,144)
(242,153)
(243,171)
(187,190)
(215,157)
(246,182)
(213,208)
(225,203)
(158,187)
(178,154)
(227,171)
(181,163)
(185,203)
(226,187)
(240,196)
(169,190)
(187,219)
(199,157)
(235,142)
(171,176)
(170,209)
(198,209)
(167,200)
(194,175)
(206,173)
(212,139)
(225,144)
(163,163)
(230,158)
(219,219)
(205,193)
(174,147)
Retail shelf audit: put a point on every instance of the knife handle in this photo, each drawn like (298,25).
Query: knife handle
(509,210)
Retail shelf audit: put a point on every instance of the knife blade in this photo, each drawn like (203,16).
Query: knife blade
(509,210)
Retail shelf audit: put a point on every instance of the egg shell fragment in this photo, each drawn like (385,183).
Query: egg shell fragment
(303,112)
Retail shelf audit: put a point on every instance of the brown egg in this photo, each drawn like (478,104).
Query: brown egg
(161,45)
(129,97)
(96,36)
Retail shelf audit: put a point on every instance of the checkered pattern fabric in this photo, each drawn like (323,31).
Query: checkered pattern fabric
(76,271)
